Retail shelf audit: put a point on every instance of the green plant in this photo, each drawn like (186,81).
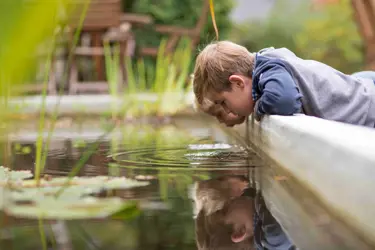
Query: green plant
(42,150)
(167,81)
(19,39)
(19,43)
(278,30)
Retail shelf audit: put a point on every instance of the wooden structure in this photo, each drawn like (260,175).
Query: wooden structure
(101,17)
(174,33)
(105,21)
(364,12)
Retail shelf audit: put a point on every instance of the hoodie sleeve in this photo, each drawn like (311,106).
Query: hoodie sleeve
(279,93)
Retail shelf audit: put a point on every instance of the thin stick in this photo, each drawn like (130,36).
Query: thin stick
(212,11)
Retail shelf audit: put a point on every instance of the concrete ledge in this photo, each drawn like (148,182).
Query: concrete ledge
(335,161)
(95,104)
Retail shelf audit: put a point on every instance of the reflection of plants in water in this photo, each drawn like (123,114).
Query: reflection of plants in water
(133,136)
(174,227)
(181,181)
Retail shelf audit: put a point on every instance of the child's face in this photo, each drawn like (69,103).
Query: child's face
(210,196)
(238,100)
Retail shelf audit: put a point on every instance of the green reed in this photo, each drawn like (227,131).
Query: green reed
(167,81)
(19,41)
(40,167)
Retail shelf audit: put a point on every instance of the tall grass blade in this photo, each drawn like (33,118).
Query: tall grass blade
(185,61)
(109,66)
(42,234)
(112,71)
(161,60)
(141,75)
(171,78)
(116,69)
(212,11)
(131,80)
(39,165)
(82,161)
(55,111)
(150,73)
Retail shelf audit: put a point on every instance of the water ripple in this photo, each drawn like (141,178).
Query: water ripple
(207,156)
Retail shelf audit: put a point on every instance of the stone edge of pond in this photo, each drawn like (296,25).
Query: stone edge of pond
(333,160)
(89,104)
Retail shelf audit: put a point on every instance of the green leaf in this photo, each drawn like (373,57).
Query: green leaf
(9,175)
(89,207)
(25,198)
(128,211)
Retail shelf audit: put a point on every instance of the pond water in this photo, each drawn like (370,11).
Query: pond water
(172,158)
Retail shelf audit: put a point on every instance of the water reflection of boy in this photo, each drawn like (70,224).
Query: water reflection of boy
(224,215)
(268,233)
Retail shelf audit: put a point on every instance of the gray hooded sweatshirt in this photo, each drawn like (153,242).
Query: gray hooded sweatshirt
(285,84)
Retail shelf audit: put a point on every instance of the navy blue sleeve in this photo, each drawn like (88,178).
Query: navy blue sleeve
(280,95)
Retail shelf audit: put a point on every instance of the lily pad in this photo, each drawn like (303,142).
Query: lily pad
(73,189)
(10,175)
(86,208)
(63,197)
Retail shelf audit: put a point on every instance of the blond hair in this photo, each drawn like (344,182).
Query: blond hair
(212,199)
(213,233)
(216,63)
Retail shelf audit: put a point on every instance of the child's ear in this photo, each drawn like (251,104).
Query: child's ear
(239,234)
(237,81)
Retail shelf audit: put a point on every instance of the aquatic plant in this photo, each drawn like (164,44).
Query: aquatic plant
(19,39)
(32,199)
(151,91)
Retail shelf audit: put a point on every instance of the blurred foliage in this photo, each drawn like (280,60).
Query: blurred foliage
(168,79)
(21,43)
(19,39)
(330,35)
(327,34)
(278,30)
(184,13)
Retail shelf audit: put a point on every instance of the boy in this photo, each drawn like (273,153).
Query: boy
(230,83)
(232,216)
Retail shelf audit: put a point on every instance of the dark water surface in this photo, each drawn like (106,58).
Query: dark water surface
(173,158)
